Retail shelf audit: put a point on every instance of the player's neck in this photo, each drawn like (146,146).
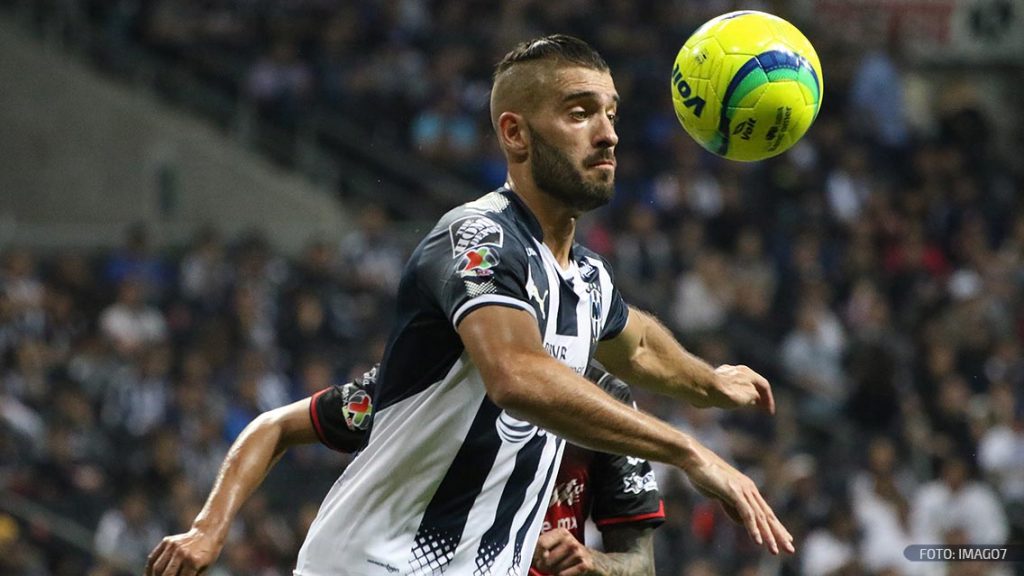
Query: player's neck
(557,221)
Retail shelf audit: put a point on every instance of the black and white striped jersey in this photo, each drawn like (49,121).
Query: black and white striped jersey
(449,482)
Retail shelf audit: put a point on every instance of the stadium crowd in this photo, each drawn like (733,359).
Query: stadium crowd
(873,273)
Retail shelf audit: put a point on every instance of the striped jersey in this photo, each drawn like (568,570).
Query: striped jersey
(448,482)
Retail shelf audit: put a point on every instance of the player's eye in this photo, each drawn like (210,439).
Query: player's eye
(613,117)
(578,115)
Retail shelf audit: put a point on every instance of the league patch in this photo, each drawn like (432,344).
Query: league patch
(474,232)
(357,407)
(635,483)
(478,263)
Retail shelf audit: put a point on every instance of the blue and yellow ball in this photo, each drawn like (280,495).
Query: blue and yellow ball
(747,85)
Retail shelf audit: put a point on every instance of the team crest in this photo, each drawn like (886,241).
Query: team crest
(474,232)
(478,263)
(357,407)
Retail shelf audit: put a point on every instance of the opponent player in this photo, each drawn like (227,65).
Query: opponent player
(499,312)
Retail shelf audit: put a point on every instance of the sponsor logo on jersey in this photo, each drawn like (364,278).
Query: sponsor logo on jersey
(478,263)
(357,408)
(470,232)
(635,483)
(568,493)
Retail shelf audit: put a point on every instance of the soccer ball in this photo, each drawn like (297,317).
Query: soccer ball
(746,85)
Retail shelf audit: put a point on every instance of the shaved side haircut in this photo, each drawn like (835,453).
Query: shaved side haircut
(521,75)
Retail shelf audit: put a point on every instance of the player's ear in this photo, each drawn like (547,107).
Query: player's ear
(514,136)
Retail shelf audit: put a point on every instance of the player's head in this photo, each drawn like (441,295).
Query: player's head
(553,107)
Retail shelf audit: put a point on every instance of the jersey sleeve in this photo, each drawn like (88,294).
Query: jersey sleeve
(625,489)
(474,262)
(342,415)
(618,314)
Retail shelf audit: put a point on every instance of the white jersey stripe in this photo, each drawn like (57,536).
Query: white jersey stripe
(490,299)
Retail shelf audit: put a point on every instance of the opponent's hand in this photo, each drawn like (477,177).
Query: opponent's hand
(737,386)
(187,554)
(740,498)
(559,553)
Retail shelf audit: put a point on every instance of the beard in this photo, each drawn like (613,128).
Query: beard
(554,173)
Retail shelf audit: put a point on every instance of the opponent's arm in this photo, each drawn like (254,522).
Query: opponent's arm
(646,354)
(629,551)
(522,378)
(250,458)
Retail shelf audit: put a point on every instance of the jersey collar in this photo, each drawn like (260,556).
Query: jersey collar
(532,224)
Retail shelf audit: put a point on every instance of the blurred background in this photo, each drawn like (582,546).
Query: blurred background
(205,207)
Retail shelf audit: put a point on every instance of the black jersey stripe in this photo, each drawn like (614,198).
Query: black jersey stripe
(567,302)
(512,498)
(444,519)
(539,503)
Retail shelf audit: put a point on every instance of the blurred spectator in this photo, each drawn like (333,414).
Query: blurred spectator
(129,323)
(371,258)
(957,502)
(849,187)
(17,555)
(280,82)
(204,272)
(812,354)
(703,295)
(644,257)
(135,261)
(876,96)
(832,549)
(1001,451)
(128,532)
(138,398)
(880,502)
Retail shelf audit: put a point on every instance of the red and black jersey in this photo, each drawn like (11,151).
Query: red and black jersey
(610,489)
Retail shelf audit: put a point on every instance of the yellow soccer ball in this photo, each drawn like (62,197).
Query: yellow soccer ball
(747,85)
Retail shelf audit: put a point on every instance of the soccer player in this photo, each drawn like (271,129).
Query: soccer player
(618,492)
(498,314)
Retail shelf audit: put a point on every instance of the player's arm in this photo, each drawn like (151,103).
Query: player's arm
(252,455)
(629,551)
(646,354)
(522,378)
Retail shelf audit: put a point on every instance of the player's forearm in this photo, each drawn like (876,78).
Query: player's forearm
(541,390)
(629,552)
(661,364)
(623,564)
(249,460)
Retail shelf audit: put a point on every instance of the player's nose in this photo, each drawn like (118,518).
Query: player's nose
(606,136)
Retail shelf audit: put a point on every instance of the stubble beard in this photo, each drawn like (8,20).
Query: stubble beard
(554,173)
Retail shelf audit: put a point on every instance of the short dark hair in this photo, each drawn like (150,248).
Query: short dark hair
(556,47)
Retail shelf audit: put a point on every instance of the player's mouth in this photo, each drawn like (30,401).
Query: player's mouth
(603,163)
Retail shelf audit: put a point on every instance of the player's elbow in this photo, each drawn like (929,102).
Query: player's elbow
(508,383)
(286,426)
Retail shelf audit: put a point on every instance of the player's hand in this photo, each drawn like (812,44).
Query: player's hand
(738,386)
(185,554)
(741,499)
(559,553)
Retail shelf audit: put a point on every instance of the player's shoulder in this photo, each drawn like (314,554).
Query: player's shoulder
(491,220)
